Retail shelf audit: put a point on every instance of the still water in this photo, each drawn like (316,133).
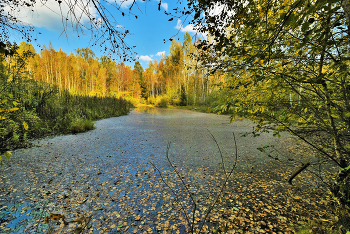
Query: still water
(118,174)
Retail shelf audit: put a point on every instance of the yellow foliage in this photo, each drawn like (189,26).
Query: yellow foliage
(13,109)
(25,125)
(261,13)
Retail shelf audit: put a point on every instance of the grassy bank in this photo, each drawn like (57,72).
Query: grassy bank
(33,110)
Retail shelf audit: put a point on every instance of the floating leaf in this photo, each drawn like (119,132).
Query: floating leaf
(54,216)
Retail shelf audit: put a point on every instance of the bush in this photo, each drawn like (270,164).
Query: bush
(131,100)
(81,125)
(162,102)
(151,100)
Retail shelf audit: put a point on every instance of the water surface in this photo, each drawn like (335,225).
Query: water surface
(118,172)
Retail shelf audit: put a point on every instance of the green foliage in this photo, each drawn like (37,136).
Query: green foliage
(158,101)
(81,125)
(32,109)
(13,125)
(132,101)
(45,110)
(288,64)
(7,155)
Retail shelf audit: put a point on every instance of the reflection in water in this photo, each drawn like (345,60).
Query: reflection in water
(147,109)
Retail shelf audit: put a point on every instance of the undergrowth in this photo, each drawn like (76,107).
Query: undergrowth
(335,221)
(81,125)
(30,109)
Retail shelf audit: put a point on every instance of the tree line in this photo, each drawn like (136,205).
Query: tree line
(179,78)
(32,106)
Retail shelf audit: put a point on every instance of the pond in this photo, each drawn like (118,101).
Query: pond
(116,178)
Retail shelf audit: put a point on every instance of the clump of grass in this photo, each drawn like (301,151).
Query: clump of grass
(81,125)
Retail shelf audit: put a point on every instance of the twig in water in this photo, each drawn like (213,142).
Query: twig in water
(227,177)
(162,178)
(223,184)
(222,158)
(186,188)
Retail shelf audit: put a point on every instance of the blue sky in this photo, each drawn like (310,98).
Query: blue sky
(146,32)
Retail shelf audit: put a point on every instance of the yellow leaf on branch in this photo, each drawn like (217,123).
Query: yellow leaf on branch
(8,154)
(13,109)
(25,125)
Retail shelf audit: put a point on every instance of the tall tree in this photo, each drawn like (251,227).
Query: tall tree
(140,78)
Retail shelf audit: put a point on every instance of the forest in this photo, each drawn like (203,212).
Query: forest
(179,78)
(32,80)
(284,65)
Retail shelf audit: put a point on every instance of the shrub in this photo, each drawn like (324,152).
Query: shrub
(81,125)
(162,102)
(151,100)
(131,100)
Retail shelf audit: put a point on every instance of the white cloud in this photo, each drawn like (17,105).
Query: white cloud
(160,53)
(123,3)
(145,58)
(164,5)
(191,29)
(128,3)
(188,28)
(50,14)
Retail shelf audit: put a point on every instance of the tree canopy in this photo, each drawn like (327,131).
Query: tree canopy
(288,64)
